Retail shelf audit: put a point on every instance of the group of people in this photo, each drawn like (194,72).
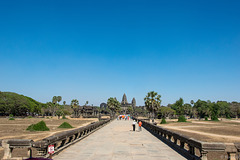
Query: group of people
(123,117)
(139,125)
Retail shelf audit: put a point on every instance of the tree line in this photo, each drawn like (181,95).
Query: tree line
(198,109)
(20,105)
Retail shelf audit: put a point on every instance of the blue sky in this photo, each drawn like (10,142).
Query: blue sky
(93,50)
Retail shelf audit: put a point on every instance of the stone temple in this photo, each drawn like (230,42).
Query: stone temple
(125,104)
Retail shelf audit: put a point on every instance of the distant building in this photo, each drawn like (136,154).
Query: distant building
(125,104)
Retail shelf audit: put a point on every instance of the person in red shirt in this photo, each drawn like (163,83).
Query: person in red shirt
(140,125)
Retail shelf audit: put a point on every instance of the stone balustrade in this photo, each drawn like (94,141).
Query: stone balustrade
(59,140)
(192,148)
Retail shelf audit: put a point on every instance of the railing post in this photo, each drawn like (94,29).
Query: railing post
(232,155)
(203,155)
(30,152)
(7,150)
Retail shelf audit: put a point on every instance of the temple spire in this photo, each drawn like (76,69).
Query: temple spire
(124,99)
(133,102)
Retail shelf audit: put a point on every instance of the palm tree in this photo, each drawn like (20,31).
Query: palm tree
(64,103)
(113,105)
(59,98)
(152,102)
(75,107)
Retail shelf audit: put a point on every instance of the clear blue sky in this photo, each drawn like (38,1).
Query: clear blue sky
(92,50)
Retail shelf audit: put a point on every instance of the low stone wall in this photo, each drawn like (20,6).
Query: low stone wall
(59,140)
(192,148)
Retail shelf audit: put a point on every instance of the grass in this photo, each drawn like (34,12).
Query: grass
(11,118)
(40,126)
(65,125)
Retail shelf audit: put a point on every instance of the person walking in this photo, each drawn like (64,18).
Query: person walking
(134,124)
(140,125)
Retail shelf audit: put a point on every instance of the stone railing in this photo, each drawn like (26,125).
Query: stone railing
(59,140)
(192,148)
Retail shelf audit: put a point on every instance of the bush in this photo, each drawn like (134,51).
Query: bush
(182,119)
(214,118)
(65,125)
(40,126)
(206,118)
(10,115)
(163,121)
(11,118)
(29,116)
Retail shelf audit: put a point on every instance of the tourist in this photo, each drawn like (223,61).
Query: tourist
(140,126)
(134,124)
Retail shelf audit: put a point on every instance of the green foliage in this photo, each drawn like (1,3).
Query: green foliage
(10,115)
(11,118)
(113,105)
(178,106)
(202,108)
(64,117)
(30,117)
(182,119)
(152,101)
(206,118)
(75,107)
(40,126)
(163,121)
(165,112)
(214,118)
(65,125)
(130,109)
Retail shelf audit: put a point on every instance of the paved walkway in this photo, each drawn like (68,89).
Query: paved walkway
(117,141)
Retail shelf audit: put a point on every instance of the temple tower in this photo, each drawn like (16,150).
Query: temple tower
(133,103)
(124,100)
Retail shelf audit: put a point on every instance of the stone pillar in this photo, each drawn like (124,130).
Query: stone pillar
(7,150)
(204,155)
(30,152)
(232,156)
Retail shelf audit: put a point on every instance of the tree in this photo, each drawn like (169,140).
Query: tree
(235,109)
(192,102)
(187,109)
(59,98)
(202,108)
(50,107)
(113,105)
(178,107)
(152,102)
(130,109)
(214,111)
(75,107)
(164,112)
(224,109)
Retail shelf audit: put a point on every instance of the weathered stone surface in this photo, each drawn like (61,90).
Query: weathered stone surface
(118,141)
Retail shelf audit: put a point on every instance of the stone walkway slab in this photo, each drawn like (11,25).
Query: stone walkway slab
(117,141)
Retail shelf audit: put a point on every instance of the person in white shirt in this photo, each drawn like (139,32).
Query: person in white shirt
(134,125)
